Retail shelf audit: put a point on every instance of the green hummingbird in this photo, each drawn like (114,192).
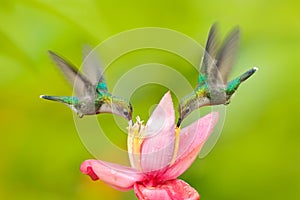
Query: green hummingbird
(213,87)
(90,87)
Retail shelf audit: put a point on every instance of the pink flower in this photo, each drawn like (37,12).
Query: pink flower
(158,153)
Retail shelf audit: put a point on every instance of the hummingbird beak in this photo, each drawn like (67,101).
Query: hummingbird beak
(129,117)
(179,122)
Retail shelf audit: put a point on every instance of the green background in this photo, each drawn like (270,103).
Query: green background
(258,153)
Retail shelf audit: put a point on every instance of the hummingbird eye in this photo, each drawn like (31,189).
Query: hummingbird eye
(125,112)
(187,110)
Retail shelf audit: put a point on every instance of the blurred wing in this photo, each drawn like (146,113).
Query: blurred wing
(207,67)
(80,83)
(209,71)
(92,69)
(226,54)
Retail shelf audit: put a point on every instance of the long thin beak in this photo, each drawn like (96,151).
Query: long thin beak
(179,122)
(130,119)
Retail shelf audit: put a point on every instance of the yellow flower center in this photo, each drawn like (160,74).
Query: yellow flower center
(136,136)
(134,142)
(176,145)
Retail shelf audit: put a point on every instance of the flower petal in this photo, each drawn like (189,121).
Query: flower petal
(173,189)
(117,176)
(158,145)
(191,141)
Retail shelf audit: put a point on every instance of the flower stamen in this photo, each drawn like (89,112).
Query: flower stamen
(134,142)
(176,145)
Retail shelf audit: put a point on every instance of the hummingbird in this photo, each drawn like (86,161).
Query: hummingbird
(216,64)
(90,87)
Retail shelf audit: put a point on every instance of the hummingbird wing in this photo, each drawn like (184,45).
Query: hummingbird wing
(209,73)
(92,68)
(80,82)
(207,67)
(227,52)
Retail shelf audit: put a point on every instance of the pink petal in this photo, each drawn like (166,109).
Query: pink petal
(173,189)
(158,146)
(117,176)
(191,141)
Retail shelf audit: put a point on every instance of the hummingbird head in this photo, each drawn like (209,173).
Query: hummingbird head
(188,104)
(122,107)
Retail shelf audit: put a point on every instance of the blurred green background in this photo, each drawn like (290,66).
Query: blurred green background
(258,153)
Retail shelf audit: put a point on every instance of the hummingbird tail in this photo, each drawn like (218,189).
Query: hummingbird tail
(247,74)
(53,98)
(233,85)
(63,99)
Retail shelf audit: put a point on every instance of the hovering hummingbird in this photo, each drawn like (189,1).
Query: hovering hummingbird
(216,64)
(90,87)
